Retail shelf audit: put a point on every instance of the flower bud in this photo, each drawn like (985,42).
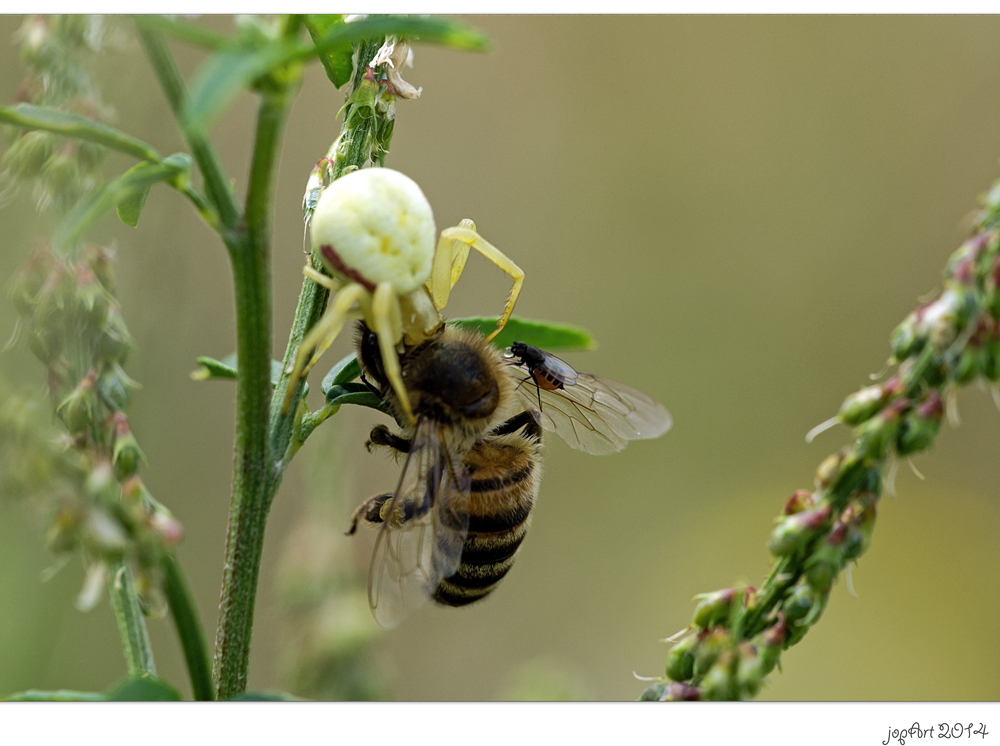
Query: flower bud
(799,501)
(862,404)
(798,605)
(655,692)
(114,386)
(91,295)
(876,436)
(77,410)
(920,427)
(860,528)
(127,454)
(795,531)
(114,342)
(678,692)
(713,608)
(719,683)
(826,562)
(750,671)
(680,659)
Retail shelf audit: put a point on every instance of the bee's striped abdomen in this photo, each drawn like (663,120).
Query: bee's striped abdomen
(505,477)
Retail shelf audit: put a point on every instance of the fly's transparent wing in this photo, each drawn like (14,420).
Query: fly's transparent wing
(423,528)
(593,414)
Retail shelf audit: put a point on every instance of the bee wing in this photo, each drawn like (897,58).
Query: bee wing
(423,531)
(594,414)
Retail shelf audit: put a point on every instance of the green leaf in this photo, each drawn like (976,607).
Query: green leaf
(226,368)
(227,73)
(186,31)
(336,61)
(344,371)
(143,689)
(435,30)
(175,169)
(355,393)
(77,127)
(265,697)
(130,207)
(60,695)
(544,334)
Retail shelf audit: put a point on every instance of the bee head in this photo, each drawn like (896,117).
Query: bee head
(451,377)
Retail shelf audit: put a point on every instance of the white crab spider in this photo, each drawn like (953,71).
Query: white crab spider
(373,230)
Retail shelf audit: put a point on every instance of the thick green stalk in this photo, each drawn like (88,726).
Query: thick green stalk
(189,629)
(253,482)
(131,625)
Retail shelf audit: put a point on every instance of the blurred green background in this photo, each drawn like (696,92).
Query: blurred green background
(740,209)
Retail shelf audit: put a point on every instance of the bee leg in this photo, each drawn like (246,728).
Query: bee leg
(370,511)
(523,420)
(381,436)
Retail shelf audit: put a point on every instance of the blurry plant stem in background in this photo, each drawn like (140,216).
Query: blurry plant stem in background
(737,635)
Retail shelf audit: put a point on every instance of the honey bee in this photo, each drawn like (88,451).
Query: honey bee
(453,526)
(592,414)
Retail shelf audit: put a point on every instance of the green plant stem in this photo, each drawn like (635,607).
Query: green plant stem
(189,629)
(253,483)
(313,297)
(216,183)
(131,625)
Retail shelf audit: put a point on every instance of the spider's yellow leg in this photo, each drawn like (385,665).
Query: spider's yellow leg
(319,278)
(449,261)
(321,336)
(491,252)
(387,323)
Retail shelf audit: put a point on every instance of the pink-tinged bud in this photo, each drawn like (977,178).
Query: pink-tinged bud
(774,636)
(964,262)
(799,501)
(920,427)
(795,531)
(168,527)
(875,436)
(860,527)
(127,454)
(713,608)
(91,295)
(828,471)
(678,692)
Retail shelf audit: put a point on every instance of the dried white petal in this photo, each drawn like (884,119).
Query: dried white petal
(93,586)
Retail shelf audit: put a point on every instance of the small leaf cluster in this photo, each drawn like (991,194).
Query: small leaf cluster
(737,635)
